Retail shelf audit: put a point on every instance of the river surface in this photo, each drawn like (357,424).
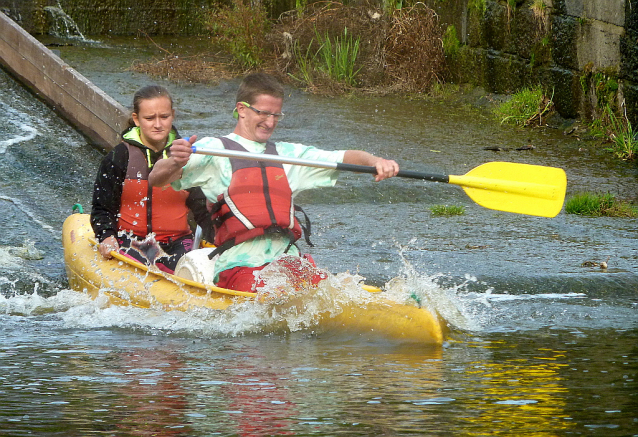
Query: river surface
(539,343)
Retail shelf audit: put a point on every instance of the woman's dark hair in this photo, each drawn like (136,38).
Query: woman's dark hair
(146,93)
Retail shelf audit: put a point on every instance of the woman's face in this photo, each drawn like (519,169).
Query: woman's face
(155,119)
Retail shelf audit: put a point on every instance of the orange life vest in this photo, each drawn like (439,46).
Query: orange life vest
(145,209)
(258,201)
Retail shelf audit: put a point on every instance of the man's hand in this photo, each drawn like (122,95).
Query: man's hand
(386,168)
(168,170)
(181,150)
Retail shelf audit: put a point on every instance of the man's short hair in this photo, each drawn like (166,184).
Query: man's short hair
(256,84)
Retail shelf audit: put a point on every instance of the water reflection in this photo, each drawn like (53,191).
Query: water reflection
(523,395)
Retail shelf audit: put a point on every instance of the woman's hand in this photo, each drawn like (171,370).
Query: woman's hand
(109,244)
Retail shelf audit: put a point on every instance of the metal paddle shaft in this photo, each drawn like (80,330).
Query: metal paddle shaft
(318,164)
(503,186)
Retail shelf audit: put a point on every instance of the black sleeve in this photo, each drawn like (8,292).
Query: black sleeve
(107,192)
(196,202)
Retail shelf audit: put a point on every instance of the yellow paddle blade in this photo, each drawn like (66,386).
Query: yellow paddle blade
(519,188)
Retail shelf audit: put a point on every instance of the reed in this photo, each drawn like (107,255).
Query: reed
(337,57)
(304,61)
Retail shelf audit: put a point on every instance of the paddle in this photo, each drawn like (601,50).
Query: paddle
(504,186)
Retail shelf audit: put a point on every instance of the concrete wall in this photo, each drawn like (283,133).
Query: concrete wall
(585,50)
(125,17)
(85,106)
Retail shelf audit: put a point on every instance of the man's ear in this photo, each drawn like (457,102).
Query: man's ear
(236,110)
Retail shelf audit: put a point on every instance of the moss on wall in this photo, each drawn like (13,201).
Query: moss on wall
(129,17)
(509,45)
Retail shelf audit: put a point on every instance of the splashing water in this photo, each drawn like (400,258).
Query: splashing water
(148,248)
(63,25)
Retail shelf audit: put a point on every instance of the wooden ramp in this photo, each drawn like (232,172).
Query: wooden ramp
(75,98)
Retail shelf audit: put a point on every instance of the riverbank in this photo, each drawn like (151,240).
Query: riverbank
(584,52)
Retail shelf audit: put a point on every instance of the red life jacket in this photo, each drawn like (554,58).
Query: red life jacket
(258,201)
(145,209)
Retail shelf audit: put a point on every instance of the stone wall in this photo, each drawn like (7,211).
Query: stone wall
(585,51)
(114,17)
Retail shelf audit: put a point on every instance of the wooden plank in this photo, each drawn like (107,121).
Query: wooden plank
(74,97)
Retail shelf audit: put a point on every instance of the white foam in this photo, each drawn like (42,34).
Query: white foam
(25,132)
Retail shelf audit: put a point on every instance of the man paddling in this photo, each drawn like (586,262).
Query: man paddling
(252,201)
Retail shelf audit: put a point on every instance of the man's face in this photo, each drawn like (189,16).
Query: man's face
(259,127)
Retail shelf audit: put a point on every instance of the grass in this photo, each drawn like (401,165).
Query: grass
(599,205)
(526,107)
(304,61)
(447,210)
(618,132)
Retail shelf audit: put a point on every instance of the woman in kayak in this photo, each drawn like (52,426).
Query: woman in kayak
(128,214)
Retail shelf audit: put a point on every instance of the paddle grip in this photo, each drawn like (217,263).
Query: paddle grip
(402,173)
(424,176)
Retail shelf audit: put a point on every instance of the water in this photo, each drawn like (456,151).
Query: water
(62,25)
(539,344)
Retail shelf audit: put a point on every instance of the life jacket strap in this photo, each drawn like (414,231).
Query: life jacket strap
(306,228)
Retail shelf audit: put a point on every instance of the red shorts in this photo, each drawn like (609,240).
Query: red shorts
(244,279)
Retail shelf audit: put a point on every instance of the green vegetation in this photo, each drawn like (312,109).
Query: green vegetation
(618,132)
(624,140)
(611,125)
(319,45)
(597,205)
(335,59)
(477,6)
(304,61)
(540,12)
(603,84)
(447,210)
(391,5)
(300,7)
(445,90)
(241,29)
(451,43)
(526,107)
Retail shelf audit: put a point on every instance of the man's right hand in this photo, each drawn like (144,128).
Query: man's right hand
(182,149)
(168,170)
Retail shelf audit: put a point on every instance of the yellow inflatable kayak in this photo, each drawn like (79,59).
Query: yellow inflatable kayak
(128,283)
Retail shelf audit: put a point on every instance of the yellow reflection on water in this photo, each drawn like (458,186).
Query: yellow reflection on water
(521,396)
